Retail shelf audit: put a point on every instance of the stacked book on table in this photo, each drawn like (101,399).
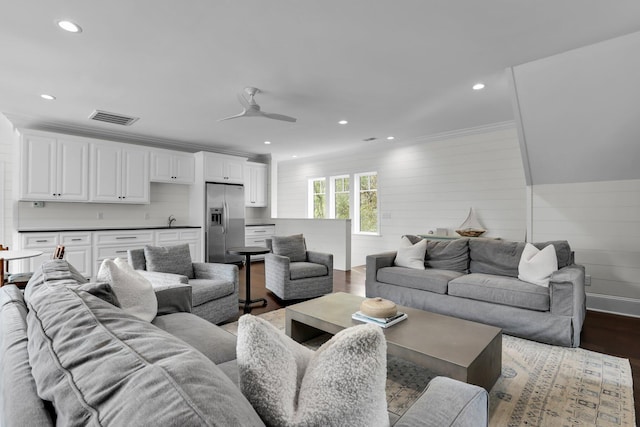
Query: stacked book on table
(383,322)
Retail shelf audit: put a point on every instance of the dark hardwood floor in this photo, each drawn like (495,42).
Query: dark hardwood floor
(605,333)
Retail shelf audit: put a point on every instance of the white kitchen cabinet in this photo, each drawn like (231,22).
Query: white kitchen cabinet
(222,168)
(53,168)
(179,236)
(257,235)
(119,173)
(77,245)
(172,167)
(255,185)
(115,244)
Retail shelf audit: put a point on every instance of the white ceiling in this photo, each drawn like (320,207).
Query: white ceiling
(401,68)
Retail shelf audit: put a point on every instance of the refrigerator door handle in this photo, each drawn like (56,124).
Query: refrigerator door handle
(225,217)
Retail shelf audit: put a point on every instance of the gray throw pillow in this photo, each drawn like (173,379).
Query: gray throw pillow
(342,383)
(292,247)
(169,259)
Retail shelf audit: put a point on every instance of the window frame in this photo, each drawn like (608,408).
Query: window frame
(332,195)
(356,204)
(311,197)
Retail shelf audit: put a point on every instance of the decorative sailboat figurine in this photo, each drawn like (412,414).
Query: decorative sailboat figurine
(471,226)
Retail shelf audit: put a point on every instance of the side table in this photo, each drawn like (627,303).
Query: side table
(247,251)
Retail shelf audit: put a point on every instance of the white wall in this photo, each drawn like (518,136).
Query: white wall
(6,181)
(166,199)
(601,221)
(424,186)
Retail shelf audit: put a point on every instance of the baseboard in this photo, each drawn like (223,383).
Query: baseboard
(613,304)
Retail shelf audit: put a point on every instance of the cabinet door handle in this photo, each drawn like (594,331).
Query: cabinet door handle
(121,252)
(259,231)
(125,237)
(76,239)
(42,241)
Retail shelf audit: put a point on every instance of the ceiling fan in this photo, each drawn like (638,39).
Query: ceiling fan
(252,109)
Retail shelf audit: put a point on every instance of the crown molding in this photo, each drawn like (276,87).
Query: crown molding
(28,122)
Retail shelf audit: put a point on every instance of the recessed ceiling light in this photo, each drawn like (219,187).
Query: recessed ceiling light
(267,142)
(343,122)
(72,27)
(478,86)
(47,97)
(391,138)
(294,156)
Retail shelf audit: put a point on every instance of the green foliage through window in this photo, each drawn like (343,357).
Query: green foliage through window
(368,206)
(341,197)
(319,198)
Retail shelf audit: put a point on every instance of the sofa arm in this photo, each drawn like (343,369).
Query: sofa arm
(567,291)
(321,258)
(378,261)
(214,270)
(448,402)
(173,299)
(158,279)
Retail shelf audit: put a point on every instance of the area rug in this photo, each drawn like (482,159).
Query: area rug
(540,385)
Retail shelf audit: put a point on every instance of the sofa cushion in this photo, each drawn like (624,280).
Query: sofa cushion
(293,247)
(411,255)
(205,290)
(446,254)
(169,259)
(134,292)
(563,251)
(500,290)
(340,384)
(303,270)
(102,366)
(431,279)
(20,404)
(536,265)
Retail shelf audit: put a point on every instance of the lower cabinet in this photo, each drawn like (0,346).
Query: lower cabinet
(257,235)
(78,250)
(86,250)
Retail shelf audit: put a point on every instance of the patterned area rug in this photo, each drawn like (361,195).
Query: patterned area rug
(540,385)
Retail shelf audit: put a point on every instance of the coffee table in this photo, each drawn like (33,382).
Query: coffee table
(456,348)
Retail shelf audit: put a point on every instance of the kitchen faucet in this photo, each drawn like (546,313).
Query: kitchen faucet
(171,220)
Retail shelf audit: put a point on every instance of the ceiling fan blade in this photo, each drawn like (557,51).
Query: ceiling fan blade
(278,117)
(244,113)
(243,101)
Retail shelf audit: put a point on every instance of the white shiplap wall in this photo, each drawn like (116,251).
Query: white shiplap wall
(601,220)
(424,186)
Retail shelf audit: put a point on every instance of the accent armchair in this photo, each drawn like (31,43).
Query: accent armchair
(293,272)
(214,286)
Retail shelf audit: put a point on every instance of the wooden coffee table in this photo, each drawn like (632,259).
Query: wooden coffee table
(456,348)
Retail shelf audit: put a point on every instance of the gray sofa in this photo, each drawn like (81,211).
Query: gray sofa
(215,287)
(477,279)
(68,356)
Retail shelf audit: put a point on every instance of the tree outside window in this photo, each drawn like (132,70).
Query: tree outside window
(318,197)
(340,197)
(367,202)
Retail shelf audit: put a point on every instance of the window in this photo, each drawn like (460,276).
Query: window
(317,197)
(366,203)
(339,200)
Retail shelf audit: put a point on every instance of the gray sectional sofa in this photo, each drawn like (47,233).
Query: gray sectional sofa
(477,279)
(70,356)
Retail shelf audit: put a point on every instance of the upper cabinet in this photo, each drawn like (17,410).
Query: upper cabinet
(53,168)
(172,166)
(255,192)
(223,168)
(119,173)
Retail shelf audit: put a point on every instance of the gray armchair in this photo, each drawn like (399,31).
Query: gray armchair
(292,272)
(214,287)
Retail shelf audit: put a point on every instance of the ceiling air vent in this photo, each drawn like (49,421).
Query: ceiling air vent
(373,138)
(116,119)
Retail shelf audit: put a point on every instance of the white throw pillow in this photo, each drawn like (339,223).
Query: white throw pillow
(342,383)
(536,266)
(410,255)
(134,292)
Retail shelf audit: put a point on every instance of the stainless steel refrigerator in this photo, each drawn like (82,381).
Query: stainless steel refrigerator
(225,222)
